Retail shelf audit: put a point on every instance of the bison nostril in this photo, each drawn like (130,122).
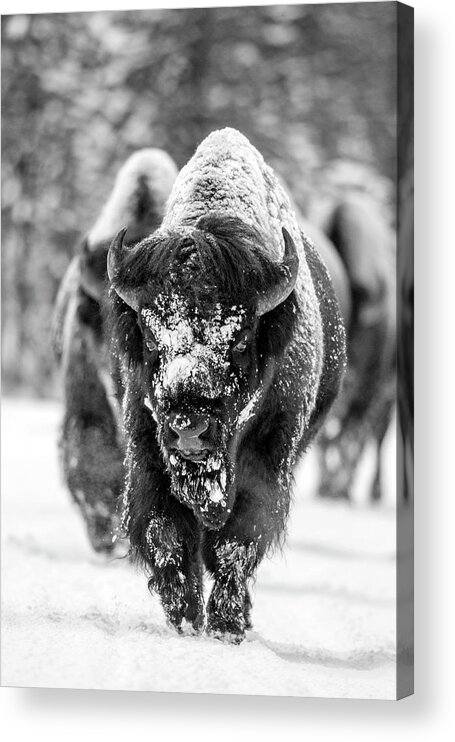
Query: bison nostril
(203,426)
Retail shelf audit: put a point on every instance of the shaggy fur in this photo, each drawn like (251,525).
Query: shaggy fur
(91,440)
(210,271)
(197,282)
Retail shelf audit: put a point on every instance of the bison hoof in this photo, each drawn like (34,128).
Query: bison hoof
(192,625)
(195,614)
(186,628)
(228,637)
(191,628)
(226,629)
(329,492)
(187,622)
(197,623)
(103,546)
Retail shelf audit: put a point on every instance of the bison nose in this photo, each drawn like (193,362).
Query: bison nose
(188,430)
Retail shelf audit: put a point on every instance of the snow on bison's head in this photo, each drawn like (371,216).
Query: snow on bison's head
(204,314)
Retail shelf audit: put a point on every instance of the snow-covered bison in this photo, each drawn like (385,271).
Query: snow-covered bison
(231,350)
(91,439)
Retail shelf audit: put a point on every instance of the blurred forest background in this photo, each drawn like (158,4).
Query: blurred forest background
(312,87)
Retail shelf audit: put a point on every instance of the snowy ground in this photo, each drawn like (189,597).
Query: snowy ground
(324,611)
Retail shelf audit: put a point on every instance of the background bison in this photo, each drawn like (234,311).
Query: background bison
(231,352)
(364,241)
(91,436)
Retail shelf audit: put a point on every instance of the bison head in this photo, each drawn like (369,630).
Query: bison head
(201,295)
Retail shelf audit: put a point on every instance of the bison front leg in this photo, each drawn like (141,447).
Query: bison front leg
(232,562)
(339,458)
(176,572)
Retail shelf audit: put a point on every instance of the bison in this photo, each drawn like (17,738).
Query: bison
(231,348)
(363,240)
(356,245)
(91,441)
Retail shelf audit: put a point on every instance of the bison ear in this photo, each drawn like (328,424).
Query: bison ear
(289,269)
(91,283)
(115,260)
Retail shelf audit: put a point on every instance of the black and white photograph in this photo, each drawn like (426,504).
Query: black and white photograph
(207,350)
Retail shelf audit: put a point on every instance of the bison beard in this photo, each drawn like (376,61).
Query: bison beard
(235,304)
(204,487)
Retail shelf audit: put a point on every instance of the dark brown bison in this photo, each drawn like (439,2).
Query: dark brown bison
(230,344)
(91,441)
(361,237)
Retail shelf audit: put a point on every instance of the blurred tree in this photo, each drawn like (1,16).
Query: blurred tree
(308,84)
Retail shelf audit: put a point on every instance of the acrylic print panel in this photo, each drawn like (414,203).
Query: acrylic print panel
(206,404)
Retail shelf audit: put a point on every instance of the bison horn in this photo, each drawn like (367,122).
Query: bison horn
(289,270)
(116,255)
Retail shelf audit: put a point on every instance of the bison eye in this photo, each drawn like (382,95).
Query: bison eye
(151,344)
(241,346)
